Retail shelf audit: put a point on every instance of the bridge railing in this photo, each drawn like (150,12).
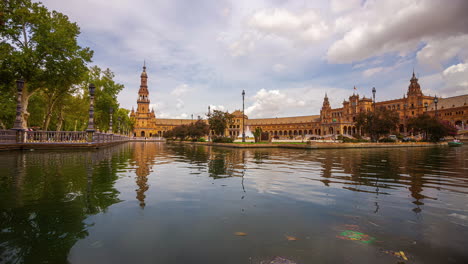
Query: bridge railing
(7,136)
(49,137)
(55,137)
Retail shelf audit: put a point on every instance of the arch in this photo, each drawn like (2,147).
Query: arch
(459,124)
(319,132)
(330,130)
(354,130)
(310,132)
(151,134)
(142,134)
(290,132)
(295,132)
(345,130)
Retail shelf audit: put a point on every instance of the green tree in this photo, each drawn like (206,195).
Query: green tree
(105,96)
(181,132)
(432,128)
(198,129)
(377,123)
(7,106)
(257,134)
(41,47)
(219,121)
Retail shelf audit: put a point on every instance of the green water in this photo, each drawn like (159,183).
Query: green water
(169,203)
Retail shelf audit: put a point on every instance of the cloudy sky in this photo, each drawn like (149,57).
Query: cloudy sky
(285,54)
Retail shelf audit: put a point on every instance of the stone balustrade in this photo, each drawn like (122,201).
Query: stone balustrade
(62,137)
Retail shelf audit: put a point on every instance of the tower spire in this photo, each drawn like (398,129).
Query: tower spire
(144,65)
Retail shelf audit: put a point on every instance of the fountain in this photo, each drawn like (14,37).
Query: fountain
(248,133)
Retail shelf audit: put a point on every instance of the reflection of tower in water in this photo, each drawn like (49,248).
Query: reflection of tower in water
(143,156)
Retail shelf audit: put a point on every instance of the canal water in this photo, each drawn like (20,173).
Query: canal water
(171,203)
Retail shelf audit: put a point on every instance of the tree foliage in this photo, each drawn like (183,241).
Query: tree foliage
(432,128)
(219,121)
(257,134)
(193,131)
(41,47)
(377,123)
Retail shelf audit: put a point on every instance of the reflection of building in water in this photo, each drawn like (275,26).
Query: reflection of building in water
(376,171)
(144,156)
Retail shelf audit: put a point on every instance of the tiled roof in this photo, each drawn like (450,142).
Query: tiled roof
(450,102)
(283,120)
(176,122)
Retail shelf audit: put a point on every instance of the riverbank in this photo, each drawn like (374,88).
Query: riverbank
(327,145)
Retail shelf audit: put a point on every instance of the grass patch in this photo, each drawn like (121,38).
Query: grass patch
(295,143)
(251,143)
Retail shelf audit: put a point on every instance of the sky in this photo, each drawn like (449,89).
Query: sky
(285,54)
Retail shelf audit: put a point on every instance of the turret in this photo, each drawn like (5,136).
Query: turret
(414,89)
(325,111)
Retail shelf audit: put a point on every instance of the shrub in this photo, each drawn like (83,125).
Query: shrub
(387,140)
(201,140)
(352,140)
(223,140)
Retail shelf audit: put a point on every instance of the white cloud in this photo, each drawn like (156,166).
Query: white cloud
(271,103)
(372,71)
(244,45)
(439,51)
(180,104)
(180,90)
(218,107)
(278,67)
(338,6)
(307,26)
(456,78)
(397,26)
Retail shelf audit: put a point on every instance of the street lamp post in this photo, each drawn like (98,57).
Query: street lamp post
(436,100)
(118,127)
(90,130)
(243,117)
(18,125)
(406,118)
(373,114)
(19,117)
(209,128)
(373,95)
(111,111)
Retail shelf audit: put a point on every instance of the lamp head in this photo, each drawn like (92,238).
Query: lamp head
(20,85)
(92,88)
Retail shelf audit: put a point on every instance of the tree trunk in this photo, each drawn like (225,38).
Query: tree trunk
(60,120)
(24,106)
(50,108)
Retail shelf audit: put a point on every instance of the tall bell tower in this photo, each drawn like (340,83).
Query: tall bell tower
(143,100)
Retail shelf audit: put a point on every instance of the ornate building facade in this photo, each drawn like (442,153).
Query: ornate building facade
(331,121)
